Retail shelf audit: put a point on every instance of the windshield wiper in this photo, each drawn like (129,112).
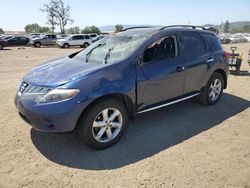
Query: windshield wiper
(107,56)
(89,53)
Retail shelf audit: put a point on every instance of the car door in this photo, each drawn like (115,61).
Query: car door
(73,40)
(46,40)
(196,57)
(160,76)
(87,39)
(52,39)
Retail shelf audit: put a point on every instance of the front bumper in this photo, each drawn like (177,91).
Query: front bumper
(51,117)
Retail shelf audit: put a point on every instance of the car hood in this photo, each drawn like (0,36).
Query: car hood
(61,40)
(60,71)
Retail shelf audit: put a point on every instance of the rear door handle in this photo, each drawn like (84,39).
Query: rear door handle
(180,68)
(210,60)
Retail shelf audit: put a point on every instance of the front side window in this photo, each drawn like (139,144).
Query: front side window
(164,48)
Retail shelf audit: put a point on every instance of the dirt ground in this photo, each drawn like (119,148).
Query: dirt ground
(184,145)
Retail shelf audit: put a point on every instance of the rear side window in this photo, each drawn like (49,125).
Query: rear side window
(212,42)
(193,45)
(93,35)
(87,37)
(80,37)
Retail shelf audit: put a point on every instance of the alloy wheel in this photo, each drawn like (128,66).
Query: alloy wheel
(215,89)
(107,125)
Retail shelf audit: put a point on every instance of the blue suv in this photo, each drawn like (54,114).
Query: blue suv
(93,92)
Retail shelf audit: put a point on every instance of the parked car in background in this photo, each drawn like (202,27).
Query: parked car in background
(93,92)
(44,40)
(75,40)
(239,39)
(3,44)
(18,41)
(97,38)
(246,36)
(34,35)
(6,37)
(61,36)
(93,36)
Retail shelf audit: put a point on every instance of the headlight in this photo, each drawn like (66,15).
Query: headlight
(57,95)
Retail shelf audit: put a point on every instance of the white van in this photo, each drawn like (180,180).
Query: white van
(75,40)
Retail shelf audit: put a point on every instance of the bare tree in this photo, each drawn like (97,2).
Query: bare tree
(50,9)
(62,14)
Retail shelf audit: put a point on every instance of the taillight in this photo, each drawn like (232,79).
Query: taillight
(227,55)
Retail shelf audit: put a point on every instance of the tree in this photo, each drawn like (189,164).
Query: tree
(62,15)
(74,30)
(35,28)
(226,27)
(118,28)
(91,29)
(45,30)
(1,31)
(32,28)
(50,9)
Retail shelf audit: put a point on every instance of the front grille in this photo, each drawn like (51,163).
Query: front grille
(26,88)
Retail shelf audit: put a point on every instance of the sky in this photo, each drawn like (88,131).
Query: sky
(15,14)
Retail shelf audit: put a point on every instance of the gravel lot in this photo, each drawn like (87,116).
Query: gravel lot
(184,145)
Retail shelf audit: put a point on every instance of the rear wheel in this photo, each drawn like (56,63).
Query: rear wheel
(103,124)
(212,92)
(1,46)
(85,45)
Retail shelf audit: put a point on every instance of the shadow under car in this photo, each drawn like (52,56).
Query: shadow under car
(147,135)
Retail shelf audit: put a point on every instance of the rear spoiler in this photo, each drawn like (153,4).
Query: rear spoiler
(216,31)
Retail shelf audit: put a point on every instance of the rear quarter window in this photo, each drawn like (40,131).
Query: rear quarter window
(212,42)
(193,45)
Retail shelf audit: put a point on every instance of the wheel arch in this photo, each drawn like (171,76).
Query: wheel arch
(125,99)
(224,75)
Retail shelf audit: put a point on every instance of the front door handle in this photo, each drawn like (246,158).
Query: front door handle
(210,60)
(180,68)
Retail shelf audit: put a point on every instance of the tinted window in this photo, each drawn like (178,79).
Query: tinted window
(212,42)
(164,48)
(193,44)
(80,37)
(93,35)
(87,37)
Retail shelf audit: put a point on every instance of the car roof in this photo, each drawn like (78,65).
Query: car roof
(158,29)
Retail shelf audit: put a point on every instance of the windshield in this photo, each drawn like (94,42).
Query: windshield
(111,49)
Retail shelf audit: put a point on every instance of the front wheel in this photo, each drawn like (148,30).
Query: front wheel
(212,92)
(37,44)
(103,124)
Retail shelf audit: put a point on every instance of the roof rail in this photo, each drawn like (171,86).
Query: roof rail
(137,27)
(193,27)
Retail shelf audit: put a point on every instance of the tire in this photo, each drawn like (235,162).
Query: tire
(1,47)
(85,45)
(237,69)
(66,45)
(206,97)
(106,132)
(37,45)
